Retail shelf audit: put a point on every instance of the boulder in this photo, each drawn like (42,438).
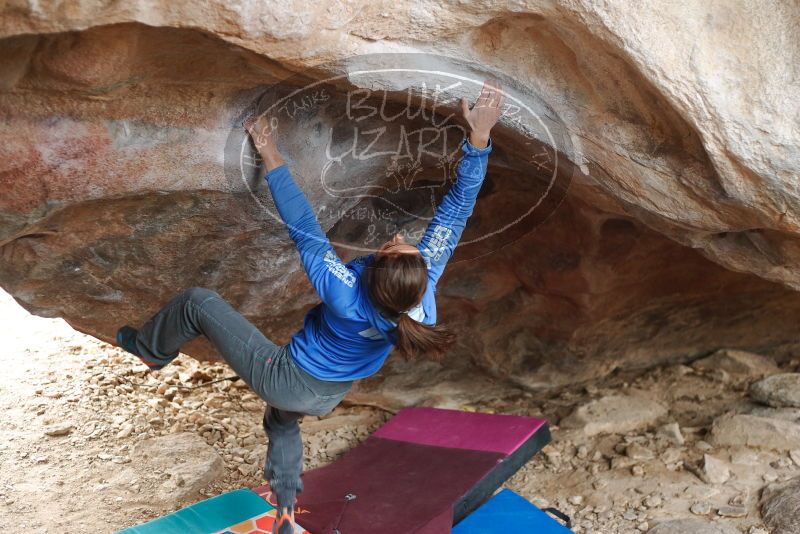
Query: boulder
(732,511)
(779,391)
(737,363)
(614,414)
(59,429)
(181,464)
(715,471)
(692,526)
(733,430)
(672,433)
(780,506)
(646,212)
(788,414)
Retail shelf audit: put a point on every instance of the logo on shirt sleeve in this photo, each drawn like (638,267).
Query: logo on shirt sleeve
(437,243)
(338,269)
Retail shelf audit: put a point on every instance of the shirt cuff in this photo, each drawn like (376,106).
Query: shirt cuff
(277,171)
(470,149)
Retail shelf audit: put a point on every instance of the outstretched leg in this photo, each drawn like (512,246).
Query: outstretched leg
(198,311)
(258,361)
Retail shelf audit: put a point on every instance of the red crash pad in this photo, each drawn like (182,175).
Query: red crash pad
(423,471)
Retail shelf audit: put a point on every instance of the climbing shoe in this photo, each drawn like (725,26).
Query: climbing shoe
(126,338)
(284,521)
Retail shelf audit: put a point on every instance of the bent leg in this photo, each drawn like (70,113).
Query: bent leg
(199,311)
(284,462)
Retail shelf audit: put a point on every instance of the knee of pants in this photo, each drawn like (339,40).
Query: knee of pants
(199,294)
(288,427)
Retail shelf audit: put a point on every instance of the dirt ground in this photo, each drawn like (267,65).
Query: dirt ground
(90,439)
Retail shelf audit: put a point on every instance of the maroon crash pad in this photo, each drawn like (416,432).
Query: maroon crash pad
(424,470)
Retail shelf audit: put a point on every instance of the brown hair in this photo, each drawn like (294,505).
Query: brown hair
(397,282)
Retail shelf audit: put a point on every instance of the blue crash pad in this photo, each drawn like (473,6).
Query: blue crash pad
(507,512)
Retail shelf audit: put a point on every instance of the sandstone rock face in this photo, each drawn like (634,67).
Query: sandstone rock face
(678,233)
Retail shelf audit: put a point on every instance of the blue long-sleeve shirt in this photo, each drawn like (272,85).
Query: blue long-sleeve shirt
(345,337)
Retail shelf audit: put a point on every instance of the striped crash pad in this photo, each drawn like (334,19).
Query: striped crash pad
(421,472)
(507,512)
(236,512)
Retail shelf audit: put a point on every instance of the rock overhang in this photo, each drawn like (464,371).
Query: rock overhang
(602,279)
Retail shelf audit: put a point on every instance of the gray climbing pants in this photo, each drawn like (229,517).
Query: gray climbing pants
(267,368)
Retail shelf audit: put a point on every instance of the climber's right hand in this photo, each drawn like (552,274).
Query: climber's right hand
(262,130)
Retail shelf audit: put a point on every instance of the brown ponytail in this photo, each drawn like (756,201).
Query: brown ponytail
(396,283)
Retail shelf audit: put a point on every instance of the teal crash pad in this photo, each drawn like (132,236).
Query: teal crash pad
(207,516)
(507,512)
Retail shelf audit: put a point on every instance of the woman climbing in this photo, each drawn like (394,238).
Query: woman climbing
(370,305)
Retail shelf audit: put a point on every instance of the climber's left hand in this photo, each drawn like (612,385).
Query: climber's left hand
(485,113)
